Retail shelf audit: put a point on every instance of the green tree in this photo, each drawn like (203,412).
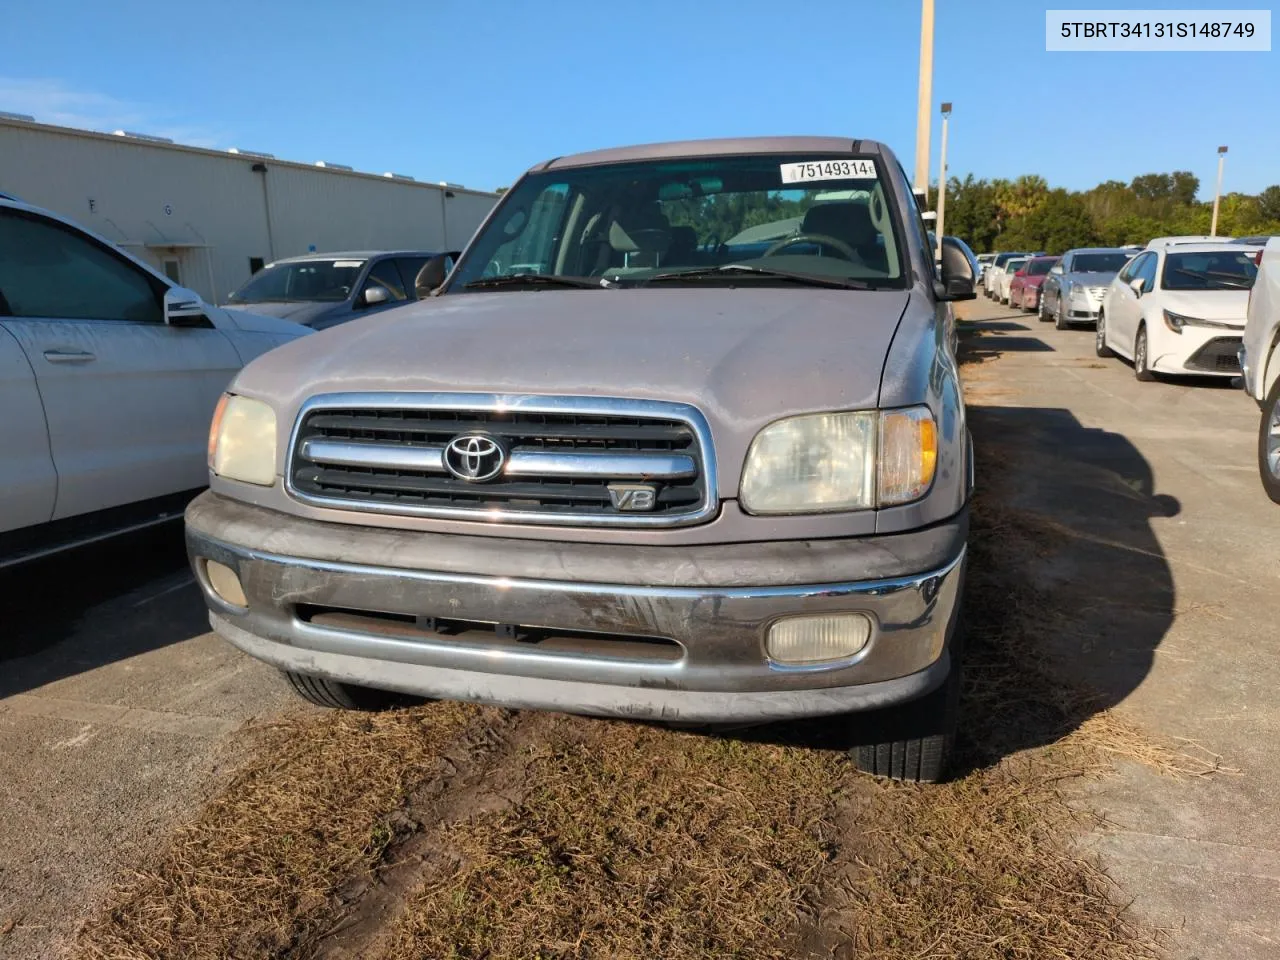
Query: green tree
(1185,186)
(1269,203)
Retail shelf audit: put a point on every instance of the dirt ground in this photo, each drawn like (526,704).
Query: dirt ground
(166,800)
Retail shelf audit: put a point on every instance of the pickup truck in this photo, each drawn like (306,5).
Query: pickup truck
(108,376)
(1260,361)
(633,457)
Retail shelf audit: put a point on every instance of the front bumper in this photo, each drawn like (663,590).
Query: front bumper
(672,633)
(1203,352)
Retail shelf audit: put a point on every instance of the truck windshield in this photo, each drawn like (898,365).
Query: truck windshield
(313,280)
(628,223)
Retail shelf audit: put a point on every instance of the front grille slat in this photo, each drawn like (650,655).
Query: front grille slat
(559,465)
(426,430)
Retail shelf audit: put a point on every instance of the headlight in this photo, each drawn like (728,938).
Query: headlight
(1177,321)
(827,462)
(1079,293)
(242,440)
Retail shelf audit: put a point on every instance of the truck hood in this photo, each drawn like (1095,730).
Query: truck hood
(743,356)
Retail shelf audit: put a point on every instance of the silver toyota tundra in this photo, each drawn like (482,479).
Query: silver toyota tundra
(680,438)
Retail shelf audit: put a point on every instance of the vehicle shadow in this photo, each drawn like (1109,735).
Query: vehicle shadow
(1068,591)
(71,613)
(990,347)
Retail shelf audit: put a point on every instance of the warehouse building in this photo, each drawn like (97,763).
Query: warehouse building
(209,218)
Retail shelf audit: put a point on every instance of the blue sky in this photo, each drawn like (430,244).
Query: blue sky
(474,93)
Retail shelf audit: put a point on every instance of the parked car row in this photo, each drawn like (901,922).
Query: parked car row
(1183,306)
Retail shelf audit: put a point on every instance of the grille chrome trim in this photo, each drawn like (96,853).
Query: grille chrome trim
(521,403)
(520,463)
(375,455)
(644,467)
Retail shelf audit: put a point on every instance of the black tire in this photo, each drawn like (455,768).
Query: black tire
(1140,368)
(1269,434)
(1100,337)
(1059,317)
(1042,313)
(343,696)
(924,733)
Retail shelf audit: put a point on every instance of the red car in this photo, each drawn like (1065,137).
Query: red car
(1024,289)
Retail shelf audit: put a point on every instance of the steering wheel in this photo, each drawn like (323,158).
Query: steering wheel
(820,239)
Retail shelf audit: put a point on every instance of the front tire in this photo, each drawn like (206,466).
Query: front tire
(1269,443)
(343,696)
(1141,370)
(1042,313)
(923,735)
(1059,317)
(1100,337)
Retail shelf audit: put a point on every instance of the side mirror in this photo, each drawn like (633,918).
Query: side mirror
(1136,285)
(375,294)
(957,274)
(184,308)
(1057,270)
(432,275)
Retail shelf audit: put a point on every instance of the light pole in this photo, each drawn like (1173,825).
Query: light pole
(1217,194)
(924,101)
(942,181)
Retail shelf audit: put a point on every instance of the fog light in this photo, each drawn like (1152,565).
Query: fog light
(225,583)
(834,636)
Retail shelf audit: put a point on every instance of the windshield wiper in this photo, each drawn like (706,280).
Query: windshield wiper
(1232,281)
(537,280)
(719,273)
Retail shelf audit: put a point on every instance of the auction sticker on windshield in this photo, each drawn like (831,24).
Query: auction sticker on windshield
(828,170)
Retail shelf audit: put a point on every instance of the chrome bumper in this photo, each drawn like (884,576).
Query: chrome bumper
(694,653)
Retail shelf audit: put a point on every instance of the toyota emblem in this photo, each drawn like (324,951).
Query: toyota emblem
(474,457)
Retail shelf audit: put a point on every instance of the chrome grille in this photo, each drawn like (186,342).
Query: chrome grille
(559,458)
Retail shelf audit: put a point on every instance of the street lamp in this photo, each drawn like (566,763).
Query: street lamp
(924,99)
(1217,194)
(942,181)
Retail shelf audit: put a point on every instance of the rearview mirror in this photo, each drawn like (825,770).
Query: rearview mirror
(375,294)
(184,308)
(1136,285)
(957,274)
(431,277)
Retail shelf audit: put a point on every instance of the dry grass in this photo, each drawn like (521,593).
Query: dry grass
(636,842)
(253,875)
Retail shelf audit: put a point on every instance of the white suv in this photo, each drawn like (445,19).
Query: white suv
(1179,309)
(1260,361)
(109,375)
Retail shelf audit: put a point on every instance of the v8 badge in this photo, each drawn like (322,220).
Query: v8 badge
(633,497)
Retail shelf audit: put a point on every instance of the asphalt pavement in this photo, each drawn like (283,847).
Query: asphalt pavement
(118,710)
(1187,648)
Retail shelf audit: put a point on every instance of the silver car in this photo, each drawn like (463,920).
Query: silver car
(622,465)
(1072,292)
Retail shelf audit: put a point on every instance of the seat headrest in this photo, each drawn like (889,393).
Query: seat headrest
(640,229)
(850,222)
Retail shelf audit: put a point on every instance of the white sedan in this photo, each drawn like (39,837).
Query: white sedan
(1179,309)
(1006,277)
